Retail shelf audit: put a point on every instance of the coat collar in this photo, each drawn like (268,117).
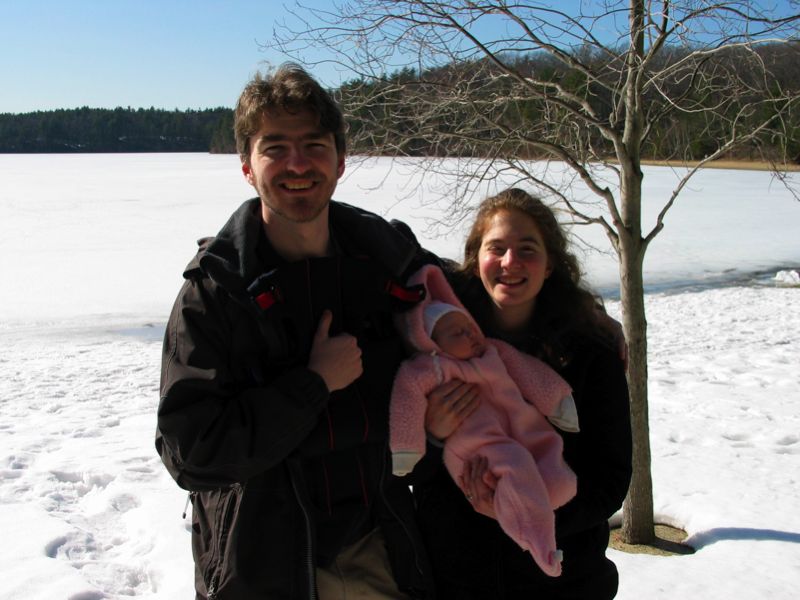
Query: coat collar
(231,258)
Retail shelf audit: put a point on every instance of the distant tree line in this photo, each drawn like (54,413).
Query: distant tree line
(118,130)
(433,113)
(393,125)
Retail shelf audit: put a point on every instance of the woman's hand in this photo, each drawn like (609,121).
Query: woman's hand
(448,405)
(479,484)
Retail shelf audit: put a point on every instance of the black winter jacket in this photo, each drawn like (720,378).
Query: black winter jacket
(473,558)
(282,474)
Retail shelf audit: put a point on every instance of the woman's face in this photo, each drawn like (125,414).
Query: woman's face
(513,265)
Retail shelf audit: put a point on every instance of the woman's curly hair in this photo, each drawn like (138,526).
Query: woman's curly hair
(564,307)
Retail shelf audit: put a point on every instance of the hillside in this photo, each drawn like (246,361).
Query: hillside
(118,130)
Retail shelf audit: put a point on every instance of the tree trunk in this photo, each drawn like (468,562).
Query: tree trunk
(637,518)
(637,513)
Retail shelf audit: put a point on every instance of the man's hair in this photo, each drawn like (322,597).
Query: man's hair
(290,89)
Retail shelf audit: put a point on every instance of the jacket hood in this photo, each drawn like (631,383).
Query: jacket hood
(411,323)
(230,258)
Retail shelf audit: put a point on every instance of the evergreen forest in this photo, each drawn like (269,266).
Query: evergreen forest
(387,108)
(118,130)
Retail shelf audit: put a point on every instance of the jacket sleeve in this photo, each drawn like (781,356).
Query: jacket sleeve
(409,402)
(212,430)
(600,454)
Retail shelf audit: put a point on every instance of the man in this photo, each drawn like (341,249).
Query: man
(278,363)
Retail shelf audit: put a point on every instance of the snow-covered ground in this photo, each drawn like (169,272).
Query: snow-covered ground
(90,261)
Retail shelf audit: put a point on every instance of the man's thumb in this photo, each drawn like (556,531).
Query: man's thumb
(324,325)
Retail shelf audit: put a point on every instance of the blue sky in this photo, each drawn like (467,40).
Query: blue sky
(139,53)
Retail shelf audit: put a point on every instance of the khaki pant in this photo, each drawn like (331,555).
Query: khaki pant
(360,571)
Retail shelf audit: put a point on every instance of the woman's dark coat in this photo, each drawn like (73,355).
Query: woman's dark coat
(473,559)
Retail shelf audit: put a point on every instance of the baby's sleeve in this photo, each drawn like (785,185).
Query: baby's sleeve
(407,408)
(541,386)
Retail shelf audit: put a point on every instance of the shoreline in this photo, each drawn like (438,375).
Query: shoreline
(735,164)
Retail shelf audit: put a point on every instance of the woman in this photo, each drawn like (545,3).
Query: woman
(523,286)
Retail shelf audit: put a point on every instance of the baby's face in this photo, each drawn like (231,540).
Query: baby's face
(457,335)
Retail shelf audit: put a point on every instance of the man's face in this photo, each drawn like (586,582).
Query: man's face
(293,166)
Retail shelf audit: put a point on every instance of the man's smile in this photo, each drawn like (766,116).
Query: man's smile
(302,184)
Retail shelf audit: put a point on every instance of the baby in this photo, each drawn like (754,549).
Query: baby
(509,428)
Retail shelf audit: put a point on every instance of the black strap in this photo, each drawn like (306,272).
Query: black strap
(290,299)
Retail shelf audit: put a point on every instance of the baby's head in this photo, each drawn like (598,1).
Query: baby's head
(453,331)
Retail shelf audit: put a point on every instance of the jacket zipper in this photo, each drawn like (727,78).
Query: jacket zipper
(189,497)
(309,555)
(220,545)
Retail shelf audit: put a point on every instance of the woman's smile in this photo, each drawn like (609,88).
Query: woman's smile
(513,263)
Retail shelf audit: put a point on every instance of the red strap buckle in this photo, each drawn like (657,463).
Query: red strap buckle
(265,300)
(414,294)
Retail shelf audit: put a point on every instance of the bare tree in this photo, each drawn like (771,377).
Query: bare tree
(457,78)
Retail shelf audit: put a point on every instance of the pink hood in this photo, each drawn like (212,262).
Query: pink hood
(411,324)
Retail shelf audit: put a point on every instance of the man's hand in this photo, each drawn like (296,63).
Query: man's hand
(336,359)
(448,405)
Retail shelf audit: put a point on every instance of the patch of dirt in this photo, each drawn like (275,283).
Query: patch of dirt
(746,165)
(668,542)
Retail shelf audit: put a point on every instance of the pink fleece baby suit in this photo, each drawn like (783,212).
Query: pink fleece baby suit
(509,428)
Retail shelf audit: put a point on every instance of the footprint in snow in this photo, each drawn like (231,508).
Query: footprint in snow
(88,595)
(736,437)
(124,502)
(788,440)
(75,546)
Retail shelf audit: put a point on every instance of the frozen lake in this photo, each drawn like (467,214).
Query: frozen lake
(86,234)
(90,260)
